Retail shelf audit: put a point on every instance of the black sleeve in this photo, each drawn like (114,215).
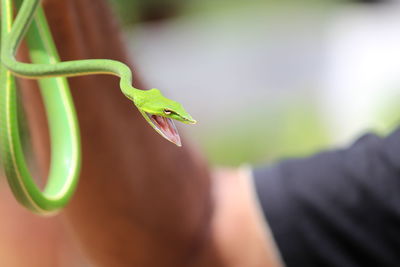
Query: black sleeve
(338,208)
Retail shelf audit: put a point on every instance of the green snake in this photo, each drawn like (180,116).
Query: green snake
(31,24)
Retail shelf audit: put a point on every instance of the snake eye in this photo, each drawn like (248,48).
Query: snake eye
(167,111)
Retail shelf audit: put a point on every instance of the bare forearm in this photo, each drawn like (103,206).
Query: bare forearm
(140,199)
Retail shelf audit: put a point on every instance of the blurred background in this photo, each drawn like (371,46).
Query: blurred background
(270,79)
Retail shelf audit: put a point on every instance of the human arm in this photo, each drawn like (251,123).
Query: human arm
(140,200)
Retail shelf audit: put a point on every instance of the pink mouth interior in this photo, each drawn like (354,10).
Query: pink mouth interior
(167,128)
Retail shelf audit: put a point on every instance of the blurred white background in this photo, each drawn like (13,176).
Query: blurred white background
(268,80)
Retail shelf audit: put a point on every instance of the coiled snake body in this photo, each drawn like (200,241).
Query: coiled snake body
(31,23)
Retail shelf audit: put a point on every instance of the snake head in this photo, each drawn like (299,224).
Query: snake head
(160,112)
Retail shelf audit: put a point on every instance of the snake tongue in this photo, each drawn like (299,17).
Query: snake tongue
(166,127)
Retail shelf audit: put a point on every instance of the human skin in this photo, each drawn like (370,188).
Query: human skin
(140,200)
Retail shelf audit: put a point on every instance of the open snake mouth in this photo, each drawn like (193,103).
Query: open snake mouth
(165,127)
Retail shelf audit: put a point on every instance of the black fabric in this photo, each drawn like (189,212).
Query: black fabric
(338,208)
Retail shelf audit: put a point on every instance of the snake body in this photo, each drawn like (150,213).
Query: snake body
(65,69)
(45,66)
